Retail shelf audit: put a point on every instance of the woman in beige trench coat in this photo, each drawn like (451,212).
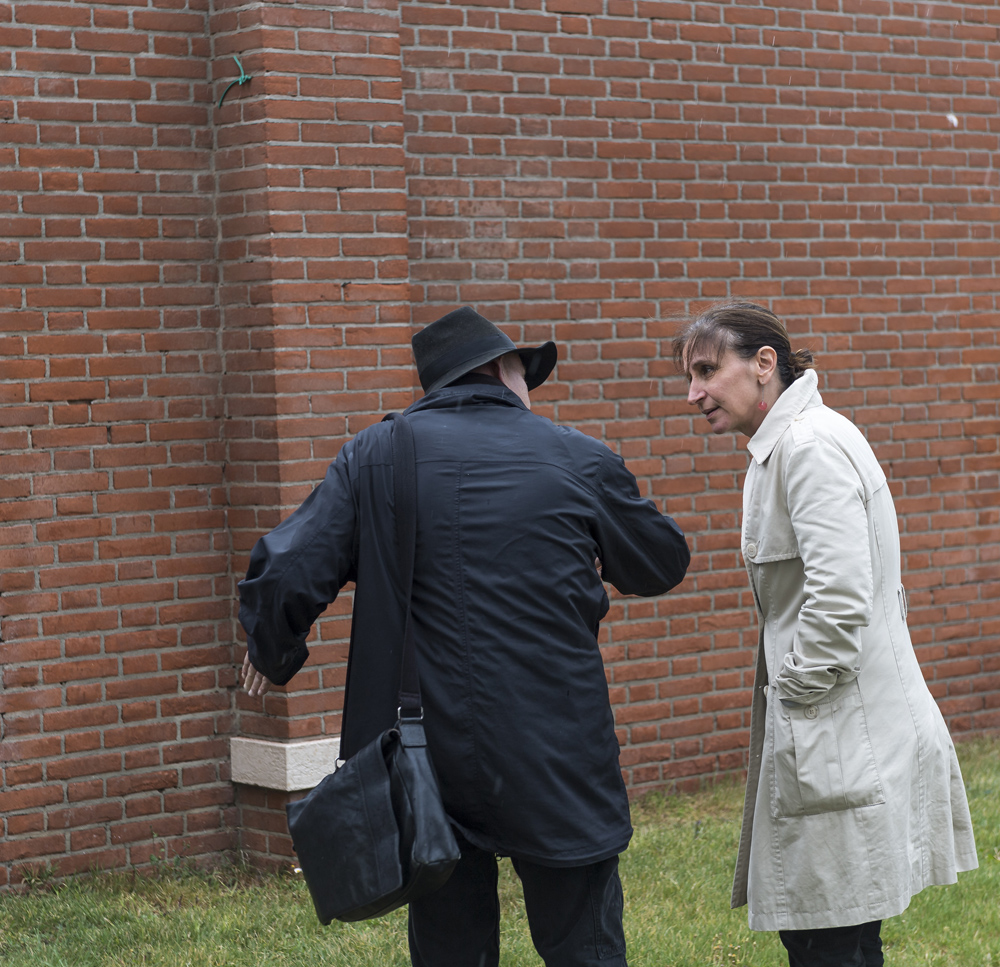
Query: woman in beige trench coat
(854,801)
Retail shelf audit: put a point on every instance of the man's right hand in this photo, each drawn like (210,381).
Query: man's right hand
(253,682)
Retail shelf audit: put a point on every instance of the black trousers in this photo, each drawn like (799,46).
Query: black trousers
(574,913)
(858,946)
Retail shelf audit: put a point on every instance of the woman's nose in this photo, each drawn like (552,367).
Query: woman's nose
(695,392)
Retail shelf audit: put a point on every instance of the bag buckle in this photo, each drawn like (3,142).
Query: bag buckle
(411,729)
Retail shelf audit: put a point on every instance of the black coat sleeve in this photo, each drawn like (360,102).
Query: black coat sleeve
(296,571)
(642,551)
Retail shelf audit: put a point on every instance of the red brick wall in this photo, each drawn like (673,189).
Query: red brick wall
(587,169)
(200,303)
(117,634)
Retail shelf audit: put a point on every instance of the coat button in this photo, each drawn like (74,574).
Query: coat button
(751,551)
(811,712)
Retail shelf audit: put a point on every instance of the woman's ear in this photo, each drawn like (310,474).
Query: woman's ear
(767,365)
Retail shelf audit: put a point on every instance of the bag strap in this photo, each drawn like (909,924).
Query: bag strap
(404,486)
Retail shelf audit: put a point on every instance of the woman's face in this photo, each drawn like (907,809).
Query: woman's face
(726,389)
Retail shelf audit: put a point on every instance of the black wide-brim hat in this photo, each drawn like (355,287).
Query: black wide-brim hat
(462,340)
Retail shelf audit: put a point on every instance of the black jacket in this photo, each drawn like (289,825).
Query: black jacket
(512,511)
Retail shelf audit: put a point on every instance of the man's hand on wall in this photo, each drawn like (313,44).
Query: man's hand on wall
(253,682)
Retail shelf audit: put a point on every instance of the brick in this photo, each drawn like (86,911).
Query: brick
(137,782)
(30,847)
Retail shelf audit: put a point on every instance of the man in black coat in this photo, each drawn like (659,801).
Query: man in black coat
(515,517)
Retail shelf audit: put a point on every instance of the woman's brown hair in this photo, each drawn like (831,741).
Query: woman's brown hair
(745,328)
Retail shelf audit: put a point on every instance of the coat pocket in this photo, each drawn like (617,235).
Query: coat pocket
(823,760)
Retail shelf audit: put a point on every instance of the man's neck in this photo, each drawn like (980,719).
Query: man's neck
(471,378)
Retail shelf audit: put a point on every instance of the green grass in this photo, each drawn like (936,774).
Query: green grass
(676,874)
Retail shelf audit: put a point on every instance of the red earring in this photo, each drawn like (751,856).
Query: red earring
(762,405)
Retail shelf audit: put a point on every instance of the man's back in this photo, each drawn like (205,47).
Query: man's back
(513,513)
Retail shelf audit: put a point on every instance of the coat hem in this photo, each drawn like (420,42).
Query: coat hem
(849,916)
(824,919)
(560,860)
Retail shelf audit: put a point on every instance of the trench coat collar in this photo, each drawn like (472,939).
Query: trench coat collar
(801,394)
(467,394)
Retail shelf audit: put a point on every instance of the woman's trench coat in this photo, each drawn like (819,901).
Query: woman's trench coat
(855,801)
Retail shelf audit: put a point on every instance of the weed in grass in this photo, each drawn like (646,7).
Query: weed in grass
(36,877)
(729,954)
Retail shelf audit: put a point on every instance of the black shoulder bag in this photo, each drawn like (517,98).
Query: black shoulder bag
(374,835)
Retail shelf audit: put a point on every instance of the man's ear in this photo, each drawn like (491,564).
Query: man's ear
(492,368)
(767,365)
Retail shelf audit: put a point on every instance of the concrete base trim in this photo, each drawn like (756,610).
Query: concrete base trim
(285,766)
